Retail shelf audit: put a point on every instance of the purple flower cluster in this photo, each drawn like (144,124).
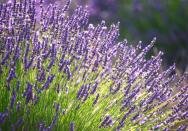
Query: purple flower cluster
(60,51)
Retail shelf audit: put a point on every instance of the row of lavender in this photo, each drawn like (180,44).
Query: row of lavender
(58,74)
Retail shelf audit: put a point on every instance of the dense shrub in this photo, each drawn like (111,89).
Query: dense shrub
(59,73)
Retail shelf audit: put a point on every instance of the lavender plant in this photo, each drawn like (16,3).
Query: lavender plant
(59,73)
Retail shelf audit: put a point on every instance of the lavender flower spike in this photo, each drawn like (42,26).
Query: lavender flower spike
(72,126)
(13,98)
(28,93)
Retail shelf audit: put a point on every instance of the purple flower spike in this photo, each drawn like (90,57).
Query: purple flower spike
(121,124)
(72,126)
(182,128)
(94,88)
(30,62)
(41,76)
(10,76)
(5,58)
(53,121)
(69,74)
(48,81)
(17,53)
(106,122)
(51,64)
(3,116)
(61,66)
(28,93)
(13,98)
(156,127)
(42,127)
(26,54)
(135,117)
(80,92)
(114,91)
(19,122)
(96,99)
(38,63)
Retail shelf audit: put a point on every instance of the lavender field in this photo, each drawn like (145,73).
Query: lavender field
(59,72)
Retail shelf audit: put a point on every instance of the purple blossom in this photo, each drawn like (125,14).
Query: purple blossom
(41,76)
(11,75)
(48,81)
(72,126)
(51,64)
(114,91)
(46,54)
(3,116)
(125,116)
(5,58)
(57,106)
(135,117)
(26,54)
(42,127)
(127,100)
(96,99)
(38,65)
(156,127)
(19,122)
(16,53)
(13,98)
(80,92)
(106,122)
(94,88)
(68,72)
(30,62)
(28,93)
(182,128)
(61,66)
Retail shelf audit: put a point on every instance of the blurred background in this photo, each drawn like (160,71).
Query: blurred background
(142,20)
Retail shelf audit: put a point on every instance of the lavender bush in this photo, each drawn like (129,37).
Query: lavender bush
(59,73)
